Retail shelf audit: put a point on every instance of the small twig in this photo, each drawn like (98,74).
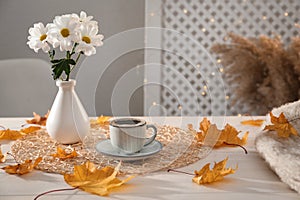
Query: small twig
(245,150)
(174,170)
(3,127)
(51,191)
(23,125)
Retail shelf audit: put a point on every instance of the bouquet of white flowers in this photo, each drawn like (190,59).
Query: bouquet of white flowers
(71,33)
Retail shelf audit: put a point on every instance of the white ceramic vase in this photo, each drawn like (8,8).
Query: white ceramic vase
(68,121)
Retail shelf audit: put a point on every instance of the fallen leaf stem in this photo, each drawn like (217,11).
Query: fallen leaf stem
(182,172)
(23,125)
(51,191)
(3,127)
(245,150)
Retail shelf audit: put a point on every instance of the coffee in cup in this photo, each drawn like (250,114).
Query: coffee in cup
(129,134)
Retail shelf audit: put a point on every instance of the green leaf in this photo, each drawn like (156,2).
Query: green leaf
(71,62)
(56,61)
(62,66)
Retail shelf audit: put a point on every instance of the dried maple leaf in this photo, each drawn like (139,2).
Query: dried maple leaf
(96,181)
(10,134)
(63,155)
(23,168)
(37,119)
(2,157)
(204,126)
(281,125)
(210,135)
(30,129)
(103,120)
(207,175)
(256,122)
(14,134)
(230,135)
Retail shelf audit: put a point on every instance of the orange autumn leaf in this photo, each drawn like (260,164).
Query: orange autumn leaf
(30,129)
(96,181)
(217,173)
(23,168)
(204,126)
(14,134)
(37,119)
(230,135)
(103,120)
(63,155)
(281,125)
(10,134)
(256,122)
(2,157)
(210,135)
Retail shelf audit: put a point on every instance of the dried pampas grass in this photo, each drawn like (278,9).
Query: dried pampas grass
(260,72)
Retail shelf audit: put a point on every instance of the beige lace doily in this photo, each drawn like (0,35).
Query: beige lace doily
(179,149)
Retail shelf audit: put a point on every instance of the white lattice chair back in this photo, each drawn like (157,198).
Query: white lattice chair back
(182,77)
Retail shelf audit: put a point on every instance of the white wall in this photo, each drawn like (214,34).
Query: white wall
(114,16)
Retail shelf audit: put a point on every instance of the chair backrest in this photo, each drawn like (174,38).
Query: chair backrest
(26,86)
(189,76)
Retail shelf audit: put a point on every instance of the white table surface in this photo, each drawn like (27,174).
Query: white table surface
(253,179)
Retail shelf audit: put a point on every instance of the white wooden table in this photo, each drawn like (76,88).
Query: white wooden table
(252,180)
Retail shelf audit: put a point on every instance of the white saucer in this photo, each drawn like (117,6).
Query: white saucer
(107,149)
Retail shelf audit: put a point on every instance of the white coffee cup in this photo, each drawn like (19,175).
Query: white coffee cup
(129,134)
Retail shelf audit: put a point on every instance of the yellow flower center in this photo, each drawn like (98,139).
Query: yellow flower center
(43,37)
(86,39)
(65,32)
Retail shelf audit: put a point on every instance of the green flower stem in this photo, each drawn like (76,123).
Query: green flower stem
(76,61)
(68,57)
(77,58)
(73,49)
(68,77)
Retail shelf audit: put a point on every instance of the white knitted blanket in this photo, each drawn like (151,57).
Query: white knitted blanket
(283,154)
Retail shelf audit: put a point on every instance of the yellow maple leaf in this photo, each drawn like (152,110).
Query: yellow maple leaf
(96,181)
(229,135)
(30,129)
(37,119)
(2,157)
(9,134)
(63,155)
(217,173)
(256,122)
(103,120)
(23,168)
(210,135)
(281,125)
(204,125)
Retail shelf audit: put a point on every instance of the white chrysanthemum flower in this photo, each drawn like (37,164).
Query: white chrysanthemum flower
(38,38)
(62,32)
(89,38)
(83,18)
